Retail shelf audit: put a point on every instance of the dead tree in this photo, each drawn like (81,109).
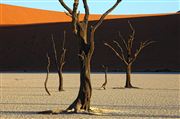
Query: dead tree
(47,76)
(86,49)
(59,63)
(128,57)
(105,81)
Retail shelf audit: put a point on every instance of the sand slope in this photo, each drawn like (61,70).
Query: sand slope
(22,95)
(24,47)
(15,15)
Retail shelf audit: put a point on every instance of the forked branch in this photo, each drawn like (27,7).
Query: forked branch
(131,37)
(116,53)
(133,30)
(121,49)
(59,62)
(141,47)
(63,55)
(55,52)
(123,40)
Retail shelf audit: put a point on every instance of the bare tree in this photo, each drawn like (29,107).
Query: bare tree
(47,76)
(128,57)
(86,49)
(105,81)
(60,63)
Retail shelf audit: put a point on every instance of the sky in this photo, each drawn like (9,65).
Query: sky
(100,6)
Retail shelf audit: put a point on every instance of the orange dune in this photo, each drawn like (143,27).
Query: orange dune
(15,15)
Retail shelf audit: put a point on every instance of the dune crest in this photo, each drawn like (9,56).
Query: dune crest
(16,15)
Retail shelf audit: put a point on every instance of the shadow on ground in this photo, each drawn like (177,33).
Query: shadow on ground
(103,114)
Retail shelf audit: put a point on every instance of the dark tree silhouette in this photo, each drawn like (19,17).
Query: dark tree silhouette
(60,63)
(105,81)
(128,57)
(47,76)
(86,49)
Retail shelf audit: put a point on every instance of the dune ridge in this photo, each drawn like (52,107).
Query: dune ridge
(16,15)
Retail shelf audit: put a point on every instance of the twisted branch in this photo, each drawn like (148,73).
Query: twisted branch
(48,66)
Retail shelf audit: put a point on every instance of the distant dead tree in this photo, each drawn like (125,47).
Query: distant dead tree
(86,49)
(105,72)
(126,52)
(47,76)
(59,63)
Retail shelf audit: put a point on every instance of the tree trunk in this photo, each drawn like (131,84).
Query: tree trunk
(60,80)
(105,81)
(86,49)
(128,77)
(82,101)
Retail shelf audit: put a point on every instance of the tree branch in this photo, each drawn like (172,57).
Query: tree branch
(105,14)
(67,13)
(133,30)
(63,46)
(122,52)
(55,53)
(65,6)
(75,16)
(86,16)
(141,47)
(122,38)
(91,41)
(116,53)
(132,36)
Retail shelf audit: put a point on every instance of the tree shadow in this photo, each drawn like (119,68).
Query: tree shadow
(143,115)
(126,88)
(32,104)
(109,114)
(161,89)
(146,88)
(19,112)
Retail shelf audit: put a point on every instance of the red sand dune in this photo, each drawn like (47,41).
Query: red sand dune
(15,15)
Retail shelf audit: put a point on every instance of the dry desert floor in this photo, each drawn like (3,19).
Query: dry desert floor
(23,95)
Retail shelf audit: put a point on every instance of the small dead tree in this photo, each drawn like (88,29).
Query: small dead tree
(60,63)
(105,81)
(128,57)
(47,76)
(86,49)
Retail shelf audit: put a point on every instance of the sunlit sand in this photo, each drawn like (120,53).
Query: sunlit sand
(23,95)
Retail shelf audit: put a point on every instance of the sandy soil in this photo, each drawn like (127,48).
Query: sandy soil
(23,95)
